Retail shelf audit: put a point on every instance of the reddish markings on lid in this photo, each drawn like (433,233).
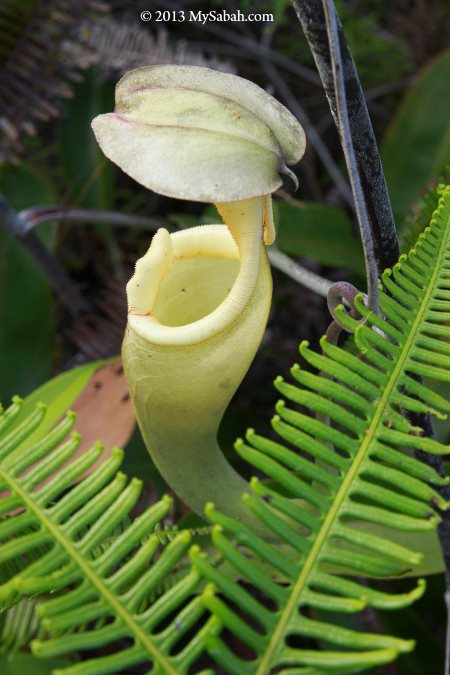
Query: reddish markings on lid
(122,118)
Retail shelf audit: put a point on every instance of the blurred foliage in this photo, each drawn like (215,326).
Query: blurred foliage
(417,142)
(64,166)
(58,394)
(380,55)
(88,175)
(322,233)
(27,305)
(23,663)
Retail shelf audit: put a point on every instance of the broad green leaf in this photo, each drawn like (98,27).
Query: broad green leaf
(27,663)
(26,299)
(305,229)
(417,143)
(320,232)
(88,175)
(424,543)
(58,394)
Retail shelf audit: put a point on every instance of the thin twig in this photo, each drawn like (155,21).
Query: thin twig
(248,47)
(29,218)
(300,274)
(41,214)
(246,51)
(50,265)
(386,88)
(253,48)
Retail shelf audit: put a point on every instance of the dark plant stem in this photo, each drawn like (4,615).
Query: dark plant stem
(337,70)
(53,270)
(41,214)
(367,159)
(372,267)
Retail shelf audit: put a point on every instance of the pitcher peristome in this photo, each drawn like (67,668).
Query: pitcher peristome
(200,298)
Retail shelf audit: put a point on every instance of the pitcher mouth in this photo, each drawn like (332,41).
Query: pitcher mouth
(189,285)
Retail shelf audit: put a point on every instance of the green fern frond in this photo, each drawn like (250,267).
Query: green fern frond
(327,483)
(89,585)
(364,476)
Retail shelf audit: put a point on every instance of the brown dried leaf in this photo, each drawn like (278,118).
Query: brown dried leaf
(104,411)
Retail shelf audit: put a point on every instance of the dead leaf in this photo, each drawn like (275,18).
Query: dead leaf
(104,411)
